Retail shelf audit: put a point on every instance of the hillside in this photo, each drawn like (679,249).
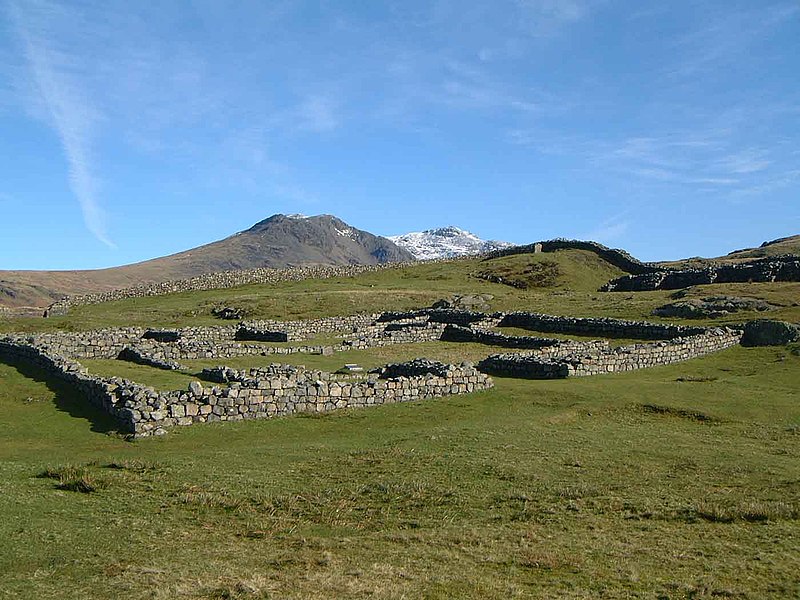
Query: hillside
(568,287)
(778,247)
(279,241)
(786,245)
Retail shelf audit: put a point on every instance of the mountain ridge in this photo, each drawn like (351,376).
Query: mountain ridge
(277,241)
(445,242)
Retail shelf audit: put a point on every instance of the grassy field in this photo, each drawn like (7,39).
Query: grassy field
(674,482)
(573,293)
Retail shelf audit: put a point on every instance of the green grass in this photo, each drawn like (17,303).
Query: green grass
(159,379)
(581,274)
(392,289)
(674,482)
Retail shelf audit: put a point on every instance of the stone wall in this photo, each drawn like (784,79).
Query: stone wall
(456,333)
(100,343)
(279,390)
(297,331)
(112,395)
(144,411)
(618,258)
(221,280)
(297,391)
(611,360)
(141,356)
(776,268)
(601,327)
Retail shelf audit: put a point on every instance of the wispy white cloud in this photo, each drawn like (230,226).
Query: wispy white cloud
(609,230)
(710,159)
(768,185)
(559,10)
(69,110)
(744,162)
(316,113)
(726,36)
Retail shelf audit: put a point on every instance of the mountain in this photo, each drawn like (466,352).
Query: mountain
(445,242)
(279,241)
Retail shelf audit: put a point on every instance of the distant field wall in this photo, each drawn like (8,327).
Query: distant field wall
(222,280)
(610,328)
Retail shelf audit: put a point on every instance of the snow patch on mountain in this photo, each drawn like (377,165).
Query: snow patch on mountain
(348,233)
(445,242)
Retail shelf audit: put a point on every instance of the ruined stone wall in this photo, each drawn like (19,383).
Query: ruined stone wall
(430,332)
(456,333)
(601,327)
(101,343)
(144,411)
(776,268)
(611,360)
(298,391)
(296,331)
(112,395)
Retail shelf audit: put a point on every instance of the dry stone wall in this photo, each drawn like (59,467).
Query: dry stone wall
(279,390)
(601,327)
(144,411)
(221,280)
(296,331)
(456,333)
(292,391)
(776,268)
(611,360)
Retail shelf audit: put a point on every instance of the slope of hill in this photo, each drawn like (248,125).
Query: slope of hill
(786,245)
(445,242)
(279,241)
(778,247)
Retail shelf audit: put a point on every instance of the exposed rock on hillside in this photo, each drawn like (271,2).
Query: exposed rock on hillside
(479,302)
(710,307)
(777,268)
(764,332)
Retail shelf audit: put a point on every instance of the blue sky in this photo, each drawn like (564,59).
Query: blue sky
(130,130)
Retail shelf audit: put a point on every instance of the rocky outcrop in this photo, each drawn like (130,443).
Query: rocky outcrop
(766,332)
(711,307)
(776,268)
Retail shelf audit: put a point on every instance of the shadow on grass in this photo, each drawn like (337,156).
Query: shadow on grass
(67,399)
